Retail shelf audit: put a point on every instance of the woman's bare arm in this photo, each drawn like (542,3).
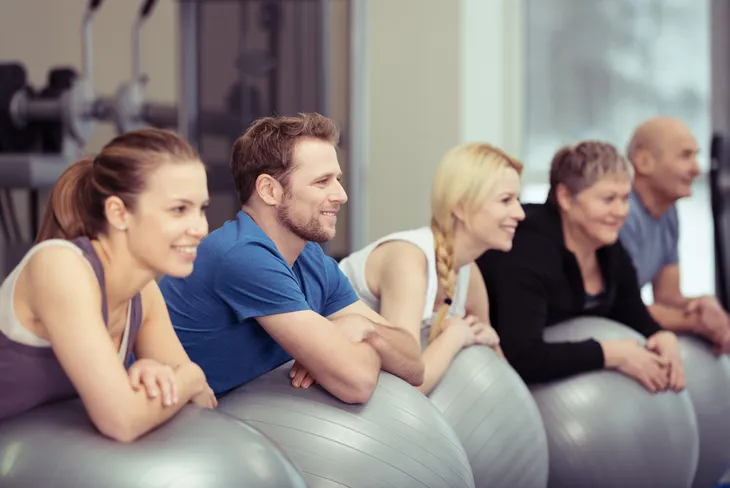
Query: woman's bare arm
(403,287)
(66,299)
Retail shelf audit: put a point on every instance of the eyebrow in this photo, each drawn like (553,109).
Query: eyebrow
(190,202)
(327,176)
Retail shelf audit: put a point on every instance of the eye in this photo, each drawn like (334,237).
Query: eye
(179,209)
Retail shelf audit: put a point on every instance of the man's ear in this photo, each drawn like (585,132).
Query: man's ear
(269,189)
(116,212)
(644,162)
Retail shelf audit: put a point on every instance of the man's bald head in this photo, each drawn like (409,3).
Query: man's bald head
(663,152)
(656,134)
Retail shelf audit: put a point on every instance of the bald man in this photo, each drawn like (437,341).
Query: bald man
(663,152)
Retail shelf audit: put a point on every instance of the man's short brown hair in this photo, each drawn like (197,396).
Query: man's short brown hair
(268,144)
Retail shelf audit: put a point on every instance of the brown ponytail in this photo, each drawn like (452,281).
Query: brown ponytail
(444,246)
(76,205)
(65,216)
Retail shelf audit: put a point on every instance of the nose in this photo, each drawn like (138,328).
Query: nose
(338,195)
(695,167)
(519,213)
(621,208)
(199,227)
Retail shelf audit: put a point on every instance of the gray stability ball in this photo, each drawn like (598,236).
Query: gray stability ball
(397,439)
(605,430)
(57,446)
(708,384)
(496,418)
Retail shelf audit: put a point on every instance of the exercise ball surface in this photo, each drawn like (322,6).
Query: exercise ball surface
(397,439)
(605,430)
(708,384)
(57,446)
(496,419)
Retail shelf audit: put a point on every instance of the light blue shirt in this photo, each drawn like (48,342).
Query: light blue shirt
(651,242)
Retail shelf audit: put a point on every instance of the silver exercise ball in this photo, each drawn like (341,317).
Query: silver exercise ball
(708,384)
(605,430)
(496,418)
(57,446)
(397,439)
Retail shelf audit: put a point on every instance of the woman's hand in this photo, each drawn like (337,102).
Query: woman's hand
(156,378)
(473,331)
(665,344)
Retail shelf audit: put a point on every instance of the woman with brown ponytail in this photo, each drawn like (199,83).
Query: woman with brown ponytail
(84,298)
(426,278)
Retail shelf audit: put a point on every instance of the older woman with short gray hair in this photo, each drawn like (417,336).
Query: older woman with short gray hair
(567,262)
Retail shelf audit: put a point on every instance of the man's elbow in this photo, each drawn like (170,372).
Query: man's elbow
(359,387)
(416,374)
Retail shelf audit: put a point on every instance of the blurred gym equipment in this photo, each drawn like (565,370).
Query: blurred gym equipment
(239,60)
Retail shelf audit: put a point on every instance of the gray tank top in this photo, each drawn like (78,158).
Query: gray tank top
(31,376)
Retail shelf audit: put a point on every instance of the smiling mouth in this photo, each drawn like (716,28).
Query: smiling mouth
(330,214)
(189,250)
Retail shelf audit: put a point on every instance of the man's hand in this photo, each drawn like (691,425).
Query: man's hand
(398,350)
(712,321)
(666,345)
(354,327)
(300,377)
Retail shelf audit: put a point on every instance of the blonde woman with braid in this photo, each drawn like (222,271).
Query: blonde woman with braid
(425,279)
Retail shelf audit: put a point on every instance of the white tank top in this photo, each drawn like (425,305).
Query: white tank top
(11,327)
(353,267)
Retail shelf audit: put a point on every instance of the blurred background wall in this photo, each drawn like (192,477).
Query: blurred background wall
(408,79)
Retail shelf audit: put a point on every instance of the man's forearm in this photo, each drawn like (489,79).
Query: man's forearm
(674,300)
(673,318)
(399,353)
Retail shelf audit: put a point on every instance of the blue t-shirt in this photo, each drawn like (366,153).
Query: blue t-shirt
(651,242)
(240,275)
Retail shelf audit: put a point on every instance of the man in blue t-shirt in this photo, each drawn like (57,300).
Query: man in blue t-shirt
(263,292)
(663,152)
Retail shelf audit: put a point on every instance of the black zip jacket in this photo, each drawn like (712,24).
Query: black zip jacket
(538,284)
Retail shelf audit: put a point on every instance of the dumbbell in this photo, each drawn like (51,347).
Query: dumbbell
(74,108)
(14,137)
(60,79)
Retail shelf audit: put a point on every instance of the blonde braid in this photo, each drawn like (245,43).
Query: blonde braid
(444,247)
